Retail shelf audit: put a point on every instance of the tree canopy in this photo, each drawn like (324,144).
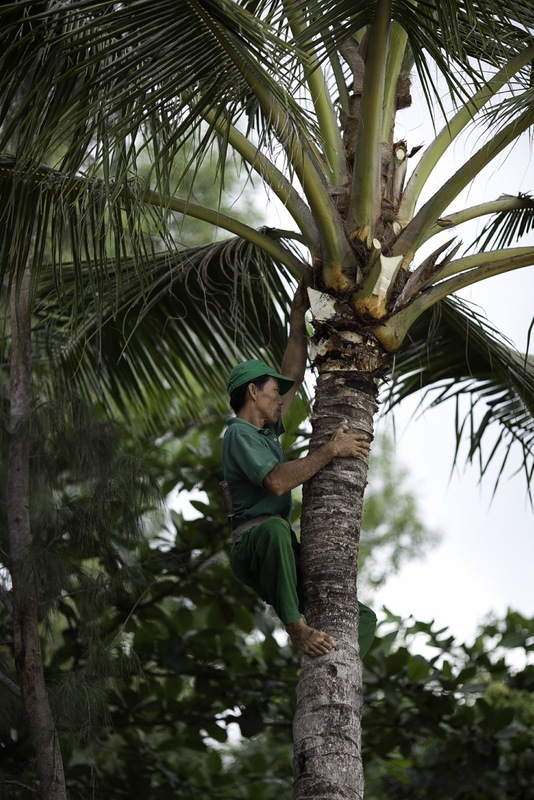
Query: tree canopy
(116,95)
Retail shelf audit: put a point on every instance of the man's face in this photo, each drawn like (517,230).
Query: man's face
(269,402)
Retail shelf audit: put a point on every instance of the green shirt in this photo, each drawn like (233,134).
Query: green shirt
(248,455)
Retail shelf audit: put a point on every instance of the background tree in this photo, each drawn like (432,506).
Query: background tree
(104,86)
(88,500)
(28,240)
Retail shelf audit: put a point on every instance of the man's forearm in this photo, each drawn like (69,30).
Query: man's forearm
(295,356)
(287,476)
(296,353)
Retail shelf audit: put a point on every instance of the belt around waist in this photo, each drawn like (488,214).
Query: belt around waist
(249,523)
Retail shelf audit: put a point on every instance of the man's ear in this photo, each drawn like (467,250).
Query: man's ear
(252,391)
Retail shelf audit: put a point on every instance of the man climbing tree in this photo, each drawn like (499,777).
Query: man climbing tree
(265,550)
(305,95)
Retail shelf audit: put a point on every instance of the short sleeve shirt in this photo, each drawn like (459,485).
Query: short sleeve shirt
(248,455)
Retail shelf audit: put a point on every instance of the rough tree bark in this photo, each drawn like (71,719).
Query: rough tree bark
(26,640)
(327,723)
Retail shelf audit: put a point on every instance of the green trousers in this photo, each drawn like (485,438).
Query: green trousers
(266,558)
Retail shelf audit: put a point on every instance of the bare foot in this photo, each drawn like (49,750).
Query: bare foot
(308,640)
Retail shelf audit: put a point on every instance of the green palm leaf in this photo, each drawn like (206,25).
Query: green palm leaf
(507,227)
(117,74)
(453,34)
(204,309)
(454,353)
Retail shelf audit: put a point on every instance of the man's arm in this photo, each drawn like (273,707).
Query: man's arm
(287,476)
(296,354)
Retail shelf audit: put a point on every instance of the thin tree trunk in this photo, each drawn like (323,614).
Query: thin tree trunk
(327,724)
(27,646)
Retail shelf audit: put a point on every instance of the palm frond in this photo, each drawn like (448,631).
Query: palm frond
(205,309)
(453,353)
(461,39)
(104,72)
(507,227)
(73,218)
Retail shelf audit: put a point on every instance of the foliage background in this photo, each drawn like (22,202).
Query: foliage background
(170,679)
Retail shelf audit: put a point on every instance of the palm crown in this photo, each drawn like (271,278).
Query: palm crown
(305,96)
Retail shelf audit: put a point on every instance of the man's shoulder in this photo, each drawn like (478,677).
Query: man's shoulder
(238,427)
(239,422)
(249,435)
(238,435)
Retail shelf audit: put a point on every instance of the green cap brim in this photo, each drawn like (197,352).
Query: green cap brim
(248,371)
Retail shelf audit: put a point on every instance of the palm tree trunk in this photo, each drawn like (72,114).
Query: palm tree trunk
(327,724)
(27,646)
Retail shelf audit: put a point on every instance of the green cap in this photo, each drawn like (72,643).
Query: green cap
(248,371)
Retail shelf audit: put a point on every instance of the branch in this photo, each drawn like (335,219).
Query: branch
(11,782)
(8,683)
(218,219)
(5,598)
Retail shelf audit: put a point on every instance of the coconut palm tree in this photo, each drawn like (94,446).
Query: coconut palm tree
(305,95)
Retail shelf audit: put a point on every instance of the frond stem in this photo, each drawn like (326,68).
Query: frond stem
(416,232)
(465,272)
(272,176)
(453,128)
(322,103)
(364,207)
(337,250)
(221,220)
(504,203)
(9,685)
(395,58)
(514,257)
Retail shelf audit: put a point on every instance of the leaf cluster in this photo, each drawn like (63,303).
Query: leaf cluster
(91,490)
(454,353)
(455,722)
